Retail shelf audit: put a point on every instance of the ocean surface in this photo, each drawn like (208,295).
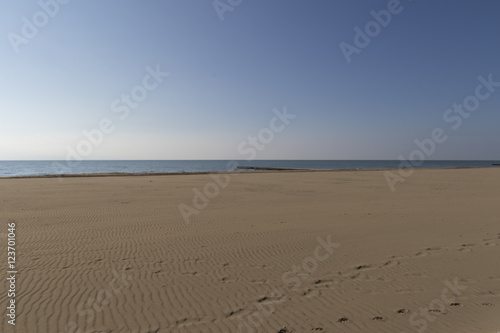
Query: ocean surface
(32,168)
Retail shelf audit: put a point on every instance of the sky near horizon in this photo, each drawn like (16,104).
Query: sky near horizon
(73,66)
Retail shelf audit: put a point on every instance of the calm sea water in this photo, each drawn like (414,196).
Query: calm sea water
(30,168)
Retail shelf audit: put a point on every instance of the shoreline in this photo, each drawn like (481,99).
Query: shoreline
(256,170)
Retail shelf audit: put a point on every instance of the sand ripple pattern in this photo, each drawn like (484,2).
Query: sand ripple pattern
(114,254)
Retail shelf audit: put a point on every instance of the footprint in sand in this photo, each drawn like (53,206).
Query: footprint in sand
(311,293)
(323,282)
(390,263)
(234,312)
(427,251)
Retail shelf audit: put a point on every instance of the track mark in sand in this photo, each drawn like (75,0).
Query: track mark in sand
(361,271)
(270,299)
(494,277)
(311,293)
(403,311)
(427,251)
(390,263)
(235,312)
(488,304)
(317,329)
(262,299)
(323,283)
(378,318)
(343,320)
(456,304)
(284,330)
(466,247)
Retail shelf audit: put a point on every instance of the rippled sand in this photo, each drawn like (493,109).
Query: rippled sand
(309,251)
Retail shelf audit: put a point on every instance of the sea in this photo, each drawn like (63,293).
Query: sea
(36,168)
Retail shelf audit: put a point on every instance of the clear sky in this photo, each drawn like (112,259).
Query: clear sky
(62,73)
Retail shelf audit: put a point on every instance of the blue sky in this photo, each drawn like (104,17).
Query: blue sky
(226,77)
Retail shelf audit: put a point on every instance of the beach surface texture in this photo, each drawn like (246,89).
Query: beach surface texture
(255,252)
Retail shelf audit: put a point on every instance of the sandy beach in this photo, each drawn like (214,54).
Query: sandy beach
(255,252)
